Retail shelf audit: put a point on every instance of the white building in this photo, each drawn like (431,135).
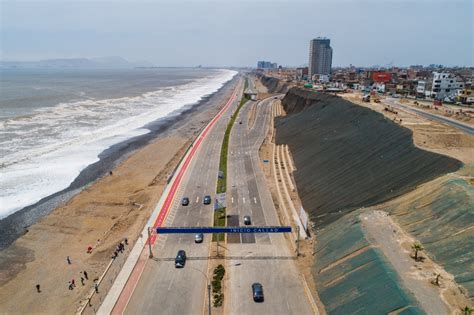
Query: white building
(445,85)
(320,57)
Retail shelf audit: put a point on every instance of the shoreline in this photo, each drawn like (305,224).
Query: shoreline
(16,224)
(101,215)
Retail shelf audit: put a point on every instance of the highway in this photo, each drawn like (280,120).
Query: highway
(162,288)
(462,127)
(264,258)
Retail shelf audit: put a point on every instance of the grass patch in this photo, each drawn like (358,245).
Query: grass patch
(219,220)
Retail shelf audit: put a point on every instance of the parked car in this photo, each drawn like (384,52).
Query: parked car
(185,201)
(198,238)
(207,200)
(247,220)
(180,259)
(257,292)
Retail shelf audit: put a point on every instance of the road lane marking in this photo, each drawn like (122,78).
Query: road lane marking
(243,199)
(255,199)
(197,199)
(232,199)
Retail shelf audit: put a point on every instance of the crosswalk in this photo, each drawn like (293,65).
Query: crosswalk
(244,200)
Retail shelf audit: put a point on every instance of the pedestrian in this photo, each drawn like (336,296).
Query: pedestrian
(82,280)
(85,275)
(38,288)
(73,282)
(126,241)
(115,255)
(70,286)
(96,287)
(68,260)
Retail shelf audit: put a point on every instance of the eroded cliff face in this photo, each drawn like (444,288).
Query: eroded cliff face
(274,85)
(348,156)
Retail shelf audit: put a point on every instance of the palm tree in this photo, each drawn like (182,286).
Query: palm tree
(417,248)
(467,310)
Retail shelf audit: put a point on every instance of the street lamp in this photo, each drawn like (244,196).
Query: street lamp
(208,287)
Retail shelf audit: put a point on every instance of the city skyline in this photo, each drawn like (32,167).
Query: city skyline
(362,34)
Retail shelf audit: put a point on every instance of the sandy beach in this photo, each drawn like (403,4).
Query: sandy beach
(113,207)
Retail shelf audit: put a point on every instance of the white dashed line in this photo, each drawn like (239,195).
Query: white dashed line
(197,199)
(243,199)
(232,199)
(255,199)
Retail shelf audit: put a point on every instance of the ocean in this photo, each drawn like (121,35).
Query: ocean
(56,122)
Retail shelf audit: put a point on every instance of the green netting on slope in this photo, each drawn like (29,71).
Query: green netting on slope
(353,278)
(442,220)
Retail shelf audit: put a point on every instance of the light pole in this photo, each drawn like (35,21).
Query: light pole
(208,288)
(149,243)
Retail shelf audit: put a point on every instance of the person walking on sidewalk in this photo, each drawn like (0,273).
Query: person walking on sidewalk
(96,287)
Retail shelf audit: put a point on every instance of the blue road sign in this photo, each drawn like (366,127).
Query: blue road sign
(224,229)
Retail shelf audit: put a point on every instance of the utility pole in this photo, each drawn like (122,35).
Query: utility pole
(149,243)
(209,295)
(297,241)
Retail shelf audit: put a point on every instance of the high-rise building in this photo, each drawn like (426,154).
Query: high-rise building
(320,56)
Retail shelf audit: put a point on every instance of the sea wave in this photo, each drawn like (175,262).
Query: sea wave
(43,153)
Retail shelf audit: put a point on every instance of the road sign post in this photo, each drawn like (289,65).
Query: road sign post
(297,241)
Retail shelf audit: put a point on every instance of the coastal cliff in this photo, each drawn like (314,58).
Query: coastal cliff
(352,162)
(348,156)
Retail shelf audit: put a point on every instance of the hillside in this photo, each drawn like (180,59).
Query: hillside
(348,156)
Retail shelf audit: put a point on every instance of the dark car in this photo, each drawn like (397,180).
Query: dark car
(180,259)
(207,200)
(257,292)
(185,201)
(240,123)
(247,220)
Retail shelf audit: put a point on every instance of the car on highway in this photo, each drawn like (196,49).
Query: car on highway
(257,292)
(185,201)
(180,259)
(247,220)
(198,238)
(207,200)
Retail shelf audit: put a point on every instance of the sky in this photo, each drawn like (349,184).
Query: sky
(239,33)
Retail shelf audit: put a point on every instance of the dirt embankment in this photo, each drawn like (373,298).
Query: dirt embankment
(274,85)
(349,157)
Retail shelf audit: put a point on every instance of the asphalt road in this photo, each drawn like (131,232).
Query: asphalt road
(164,289)
(446,121)
(264,258)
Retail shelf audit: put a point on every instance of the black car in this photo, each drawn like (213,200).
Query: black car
(185,201)
(257,292)
(247,220)
(207,200)
(180,259)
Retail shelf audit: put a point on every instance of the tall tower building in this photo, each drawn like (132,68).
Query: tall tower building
(320,56)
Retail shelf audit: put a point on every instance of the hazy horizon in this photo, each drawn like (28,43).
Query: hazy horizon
(221,34)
